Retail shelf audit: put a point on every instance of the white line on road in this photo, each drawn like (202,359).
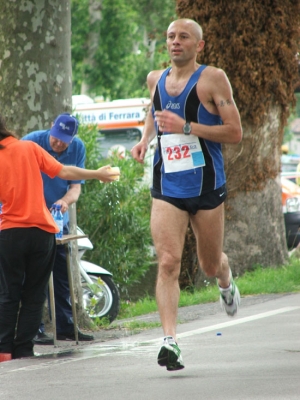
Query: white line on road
(231,323)
(236,322)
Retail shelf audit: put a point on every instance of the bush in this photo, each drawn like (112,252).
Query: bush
(116,215)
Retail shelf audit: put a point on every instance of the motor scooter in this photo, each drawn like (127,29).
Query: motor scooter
(101,297)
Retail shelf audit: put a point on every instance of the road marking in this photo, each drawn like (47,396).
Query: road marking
(236,322)
(231,323)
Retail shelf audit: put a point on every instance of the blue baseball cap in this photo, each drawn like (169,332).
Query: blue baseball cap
(64,128)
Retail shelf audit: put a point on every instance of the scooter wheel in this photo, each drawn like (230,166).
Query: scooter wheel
(102,298)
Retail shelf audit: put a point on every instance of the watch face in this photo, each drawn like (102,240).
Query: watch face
(187,128)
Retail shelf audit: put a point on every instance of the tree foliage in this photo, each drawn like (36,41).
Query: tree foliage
(131,39)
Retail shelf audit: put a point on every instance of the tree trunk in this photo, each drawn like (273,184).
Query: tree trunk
(93,39)
(254,229)
(35,62)
(254,226)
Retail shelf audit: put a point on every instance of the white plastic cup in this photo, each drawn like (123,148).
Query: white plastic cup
(117,171)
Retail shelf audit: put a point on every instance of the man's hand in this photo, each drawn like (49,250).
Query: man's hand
(64,205)
(169,121)
(138,151)
(107,174)
(70,197)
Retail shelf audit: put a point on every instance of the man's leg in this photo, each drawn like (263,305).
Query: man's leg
(63,307)
(208,226)
(168,227)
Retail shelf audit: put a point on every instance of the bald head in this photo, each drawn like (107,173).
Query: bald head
(188,24)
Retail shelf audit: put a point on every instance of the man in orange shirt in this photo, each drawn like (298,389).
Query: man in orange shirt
(27,237)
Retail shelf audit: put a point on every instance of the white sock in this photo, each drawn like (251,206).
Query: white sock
(169,339)
(224,290)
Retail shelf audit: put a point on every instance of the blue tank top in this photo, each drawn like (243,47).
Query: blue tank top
(196,181)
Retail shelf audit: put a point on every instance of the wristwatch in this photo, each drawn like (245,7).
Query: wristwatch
(187,129)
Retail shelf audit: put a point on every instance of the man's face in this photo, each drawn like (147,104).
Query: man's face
(57,145)
(183,42)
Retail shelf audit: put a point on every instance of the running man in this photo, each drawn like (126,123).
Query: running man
(193,113)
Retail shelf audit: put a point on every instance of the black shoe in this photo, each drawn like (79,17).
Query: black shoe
(43,339)
(71,336)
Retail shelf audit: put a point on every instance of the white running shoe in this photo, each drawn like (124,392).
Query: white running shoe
(230,298)
(170,355)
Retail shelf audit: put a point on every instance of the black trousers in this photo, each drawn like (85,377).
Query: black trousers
(26,260)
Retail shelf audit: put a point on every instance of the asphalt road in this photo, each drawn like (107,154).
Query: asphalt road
(255,355)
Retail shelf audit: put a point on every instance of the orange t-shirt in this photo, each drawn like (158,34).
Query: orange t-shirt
(21,185)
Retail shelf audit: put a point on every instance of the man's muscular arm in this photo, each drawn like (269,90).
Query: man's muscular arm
(139,150)
(215,92)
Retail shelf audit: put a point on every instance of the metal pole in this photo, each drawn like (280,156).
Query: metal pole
(52,308)
(70,277)
(75,264)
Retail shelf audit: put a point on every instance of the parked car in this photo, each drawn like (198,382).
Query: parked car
(291,211)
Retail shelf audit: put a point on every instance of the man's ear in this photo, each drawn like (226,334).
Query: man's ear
(201,45)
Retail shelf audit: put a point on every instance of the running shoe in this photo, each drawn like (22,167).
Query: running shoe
(230,298)
(169,355)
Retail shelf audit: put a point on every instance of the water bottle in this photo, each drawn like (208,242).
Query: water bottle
(59,220)
(53,210)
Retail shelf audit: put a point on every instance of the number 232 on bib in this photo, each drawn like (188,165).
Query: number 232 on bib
(181,152)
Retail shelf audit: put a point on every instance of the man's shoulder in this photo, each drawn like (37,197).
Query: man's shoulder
(35,136)
(153,78)
(212,72)
(154,75)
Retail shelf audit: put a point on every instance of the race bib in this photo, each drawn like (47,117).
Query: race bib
(181,152)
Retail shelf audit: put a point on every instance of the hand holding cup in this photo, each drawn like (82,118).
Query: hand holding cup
(111,174)
(115,170)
